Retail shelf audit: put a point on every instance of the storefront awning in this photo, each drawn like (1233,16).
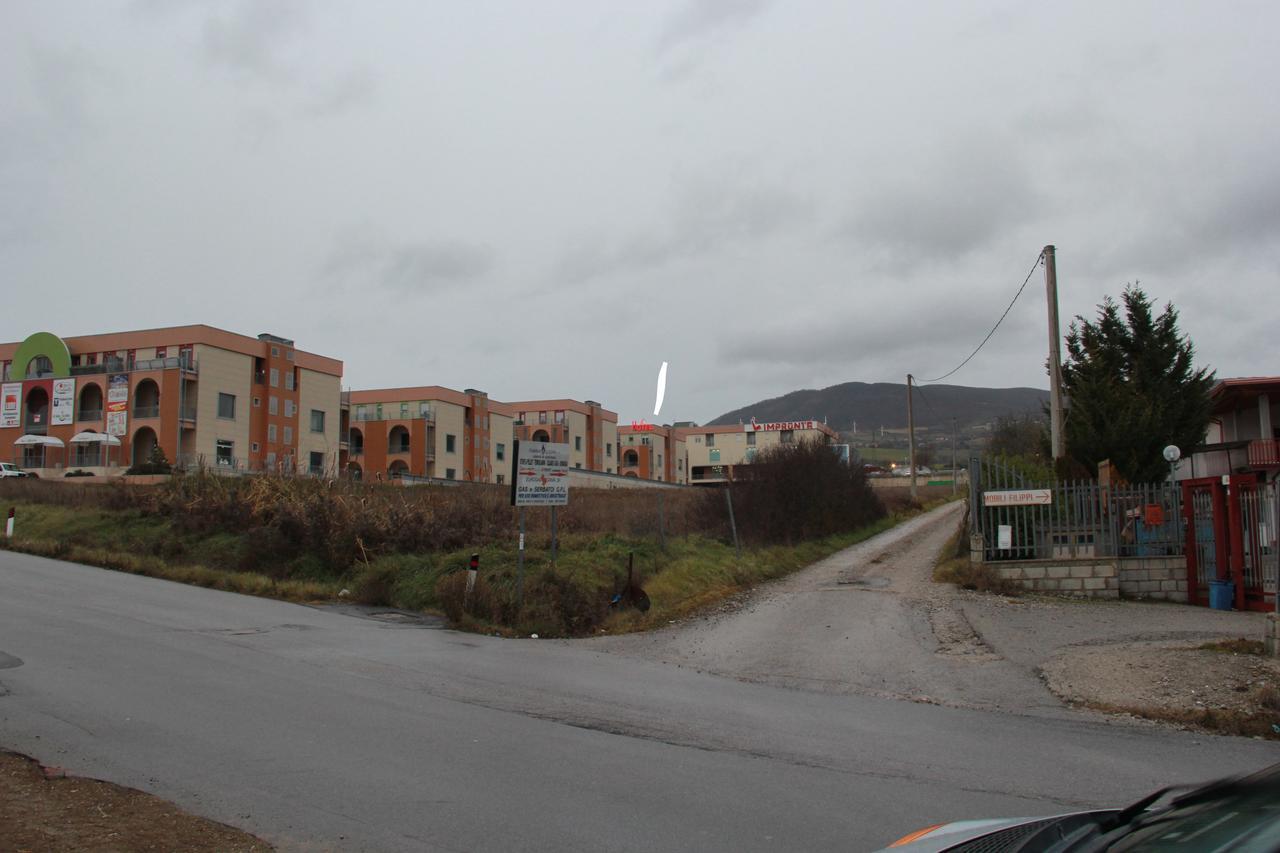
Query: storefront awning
(44,440)
(95,438)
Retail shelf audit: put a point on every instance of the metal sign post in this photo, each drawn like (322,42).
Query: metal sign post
(539,477)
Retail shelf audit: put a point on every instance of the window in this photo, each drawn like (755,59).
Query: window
(317,462)
(224,451)
(520,417)
(271,460)
(751,439)
(715,456)
(501,452)
(542,417)
(75,361)
(288,355)
(379,413)
(577,442)
(288,408)
(788,436)
(255,447)
(271,434)
(93,359)
(275,378)
(450,474)
(288,435)
(577,465)
(659,460)
(711,439)
(257,402)
(227,406)
(161,352)
(288,380)
(560,417)
(273,405)
(486,422)
(608,449)
(424,410)
(449,441)
(501,479)
(317,420)
(275,352)
(404,410)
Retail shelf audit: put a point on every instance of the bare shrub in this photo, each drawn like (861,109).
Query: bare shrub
(795,492)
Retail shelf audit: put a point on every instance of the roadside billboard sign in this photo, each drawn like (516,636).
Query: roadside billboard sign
(540,474)
(10,410)
(118,404)
(64,401)
(1018,497)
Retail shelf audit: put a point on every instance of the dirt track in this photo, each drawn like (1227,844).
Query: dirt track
(871,620)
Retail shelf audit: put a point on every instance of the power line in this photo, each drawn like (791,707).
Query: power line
(996,326)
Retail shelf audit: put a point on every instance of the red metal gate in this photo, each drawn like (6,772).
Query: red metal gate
(1230,537)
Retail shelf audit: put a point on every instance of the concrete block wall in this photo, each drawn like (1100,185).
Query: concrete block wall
(1132,577)
(1080,578)
(1154,577)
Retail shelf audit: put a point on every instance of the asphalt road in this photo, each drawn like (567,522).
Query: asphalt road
(319,729)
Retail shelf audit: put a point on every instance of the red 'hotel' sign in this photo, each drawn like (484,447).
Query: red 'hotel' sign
(780,425)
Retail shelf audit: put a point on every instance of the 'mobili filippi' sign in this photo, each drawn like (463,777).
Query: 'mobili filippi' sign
(1018,497)
(540,474)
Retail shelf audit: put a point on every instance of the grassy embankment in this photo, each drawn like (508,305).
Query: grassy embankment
(185,534)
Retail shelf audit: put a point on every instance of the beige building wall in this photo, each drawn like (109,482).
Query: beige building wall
(226,372)
(450,420)
(577,439)
(610,432)
(501,432)
(322,392)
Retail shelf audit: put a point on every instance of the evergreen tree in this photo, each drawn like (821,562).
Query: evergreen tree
(1132,389)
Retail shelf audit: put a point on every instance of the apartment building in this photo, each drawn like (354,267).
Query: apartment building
(713,452)
(202,395)
(590,430)
(428,431)
(652,452)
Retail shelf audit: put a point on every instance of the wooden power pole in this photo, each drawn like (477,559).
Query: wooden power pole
(1056,440)
(911,437)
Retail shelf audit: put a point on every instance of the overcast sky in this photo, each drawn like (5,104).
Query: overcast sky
(550,199)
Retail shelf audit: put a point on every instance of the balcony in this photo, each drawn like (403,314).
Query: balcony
(146,412)
(189,414)
(89,415)
(1264,453)
(171,363)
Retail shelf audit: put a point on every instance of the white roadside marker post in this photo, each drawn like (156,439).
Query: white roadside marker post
(8,525)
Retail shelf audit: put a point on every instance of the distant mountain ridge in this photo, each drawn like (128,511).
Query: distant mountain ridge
(884,404)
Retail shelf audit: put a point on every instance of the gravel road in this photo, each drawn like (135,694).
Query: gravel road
(870,620)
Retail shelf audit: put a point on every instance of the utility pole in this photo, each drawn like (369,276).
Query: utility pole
(1055,356)
(911,437)
(954,470)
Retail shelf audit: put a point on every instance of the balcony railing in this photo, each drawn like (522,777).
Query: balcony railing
(143,364)
(1264,453)
(89,415)
(397,448)
(189,413)
(357,450)
(392,416)
(146,411)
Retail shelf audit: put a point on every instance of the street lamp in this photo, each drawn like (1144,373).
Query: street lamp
(1171,455)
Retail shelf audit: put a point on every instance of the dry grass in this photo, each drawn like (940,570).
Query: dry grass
(1263,723)
(1235,646)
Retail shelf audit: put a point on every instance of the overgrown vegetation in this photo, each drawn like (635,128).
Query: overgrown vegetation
(307,539)
(798,492)
(1235,646)
(953,565)
(1263,723)
(155,463)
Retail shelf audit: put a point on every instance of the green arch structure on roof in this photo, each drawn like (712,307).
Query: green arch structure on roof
(44,344)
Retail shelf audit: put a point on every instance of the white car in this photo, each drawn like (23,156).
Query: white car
(8,469)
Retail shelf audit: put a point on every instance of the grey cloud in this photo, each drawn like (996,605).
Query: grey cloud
(345,92)
(408,267)
(704,217)
(698,19)
(946,209)
(248,38)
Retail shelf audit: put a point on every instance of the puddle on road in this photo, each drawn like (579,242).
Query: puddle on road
(9,661)
(865,583)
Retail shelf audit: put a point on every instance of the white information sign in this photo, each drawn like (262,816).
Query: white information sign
(64,401)
(1004,536)
(10,398)
(540,474)
(118,404)
(1018,497)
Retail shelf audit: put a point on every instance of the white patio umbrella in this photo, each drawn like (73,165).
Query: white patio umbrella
(45,441)
(100,438)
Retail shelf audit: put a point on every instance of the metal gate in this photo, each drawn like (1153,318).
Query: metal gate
(1231,528)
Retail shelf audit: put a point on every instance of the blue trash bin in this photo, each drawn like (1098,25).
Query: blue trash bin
(1222,595)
